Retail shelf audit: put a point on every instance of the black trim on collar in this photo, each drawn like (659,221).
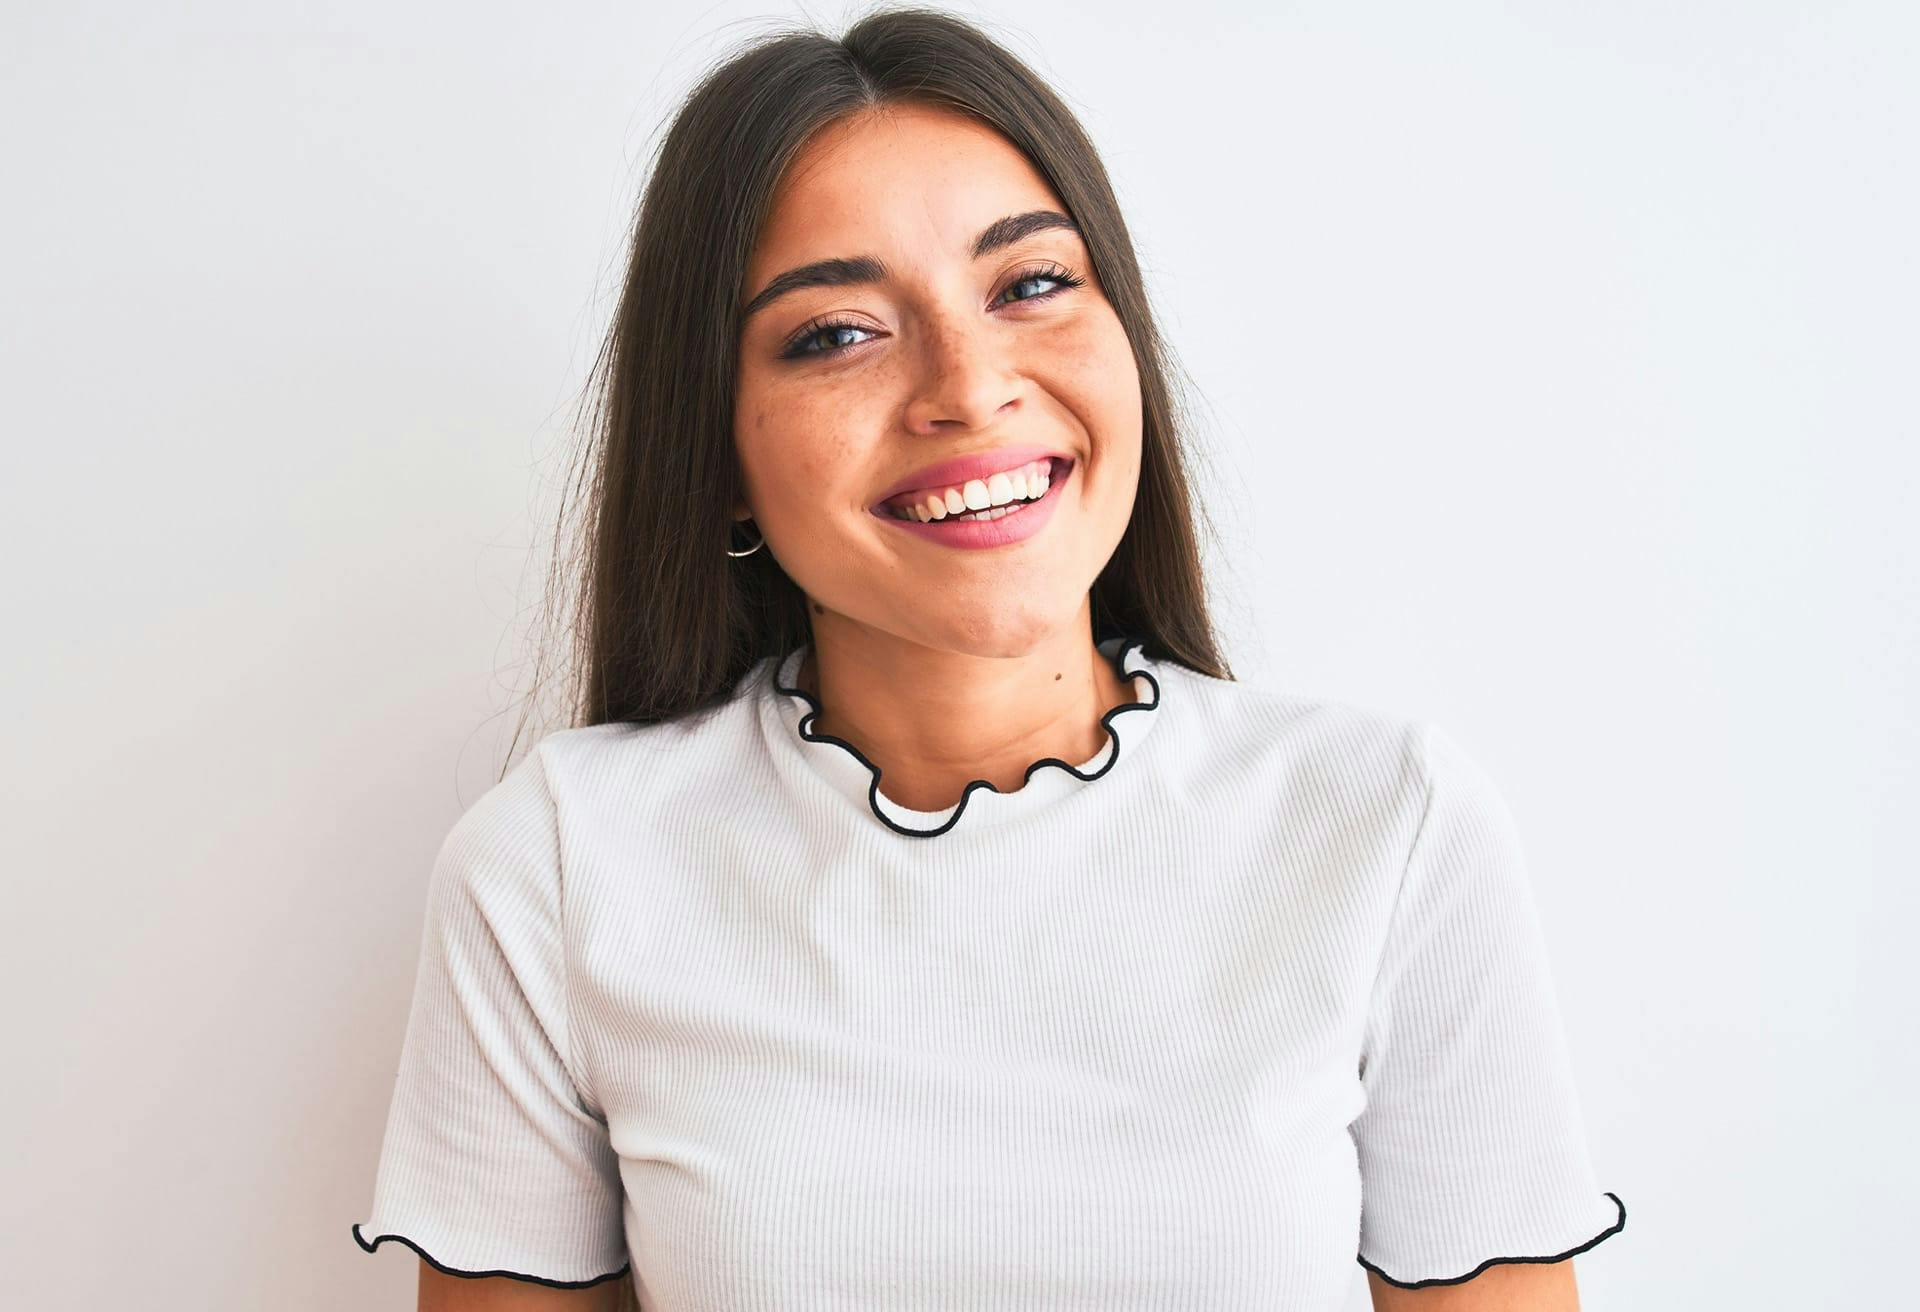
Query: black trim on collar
(1127,645)
(474,1275)
(1613,1229)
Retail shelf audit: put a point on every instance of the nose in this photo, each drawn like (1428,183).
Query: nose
(964,380)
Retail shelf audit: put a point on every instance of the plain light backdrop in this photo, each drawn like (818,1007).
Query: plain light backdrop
(1556,367)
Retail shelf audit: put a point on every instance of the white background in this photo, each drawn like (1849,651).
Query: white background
(1556,366)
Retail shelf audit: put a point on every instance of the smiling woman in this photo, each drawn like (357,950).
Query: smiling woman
(972,335)
(917,913)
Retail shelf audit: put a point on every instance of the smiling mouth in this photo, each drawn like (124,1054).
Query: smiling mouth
(1030,493)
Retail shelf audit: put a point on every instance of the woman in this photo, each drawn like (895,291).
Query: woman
(919,915)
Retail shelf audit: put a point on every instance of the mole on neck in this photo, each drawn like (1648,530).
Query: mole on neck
(919,786)
(1118,689)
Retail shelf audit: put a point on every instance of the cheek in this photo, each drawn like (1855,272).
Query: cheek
(790,441)
(1098,379)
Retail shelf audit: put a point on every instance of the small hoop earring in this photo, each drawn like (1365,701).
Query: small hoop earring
(750,550)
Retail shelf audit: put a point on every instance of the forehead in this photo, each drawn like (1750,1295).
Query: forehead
(893,181)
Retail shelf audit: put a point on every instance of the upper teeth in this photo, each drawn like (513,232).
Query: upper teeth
(1026,483)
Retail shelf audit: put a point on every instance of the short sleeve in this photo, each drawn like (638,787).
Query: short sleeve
(1470,1143)
(493,1164)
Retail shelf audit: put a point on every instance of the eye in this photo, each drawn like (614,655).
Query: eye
(1051,273)
(799,345)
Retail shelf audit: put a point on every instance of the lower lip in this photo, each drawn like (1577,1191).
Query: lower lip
(1017,527)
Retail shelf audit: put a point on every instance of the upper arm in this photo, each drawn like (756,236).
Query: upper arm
(1470,1142)
(497,1161)
(1502,1287)
(441,1292)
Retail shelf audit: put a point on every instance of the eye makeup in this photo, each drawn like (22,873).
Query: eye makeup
(796,347)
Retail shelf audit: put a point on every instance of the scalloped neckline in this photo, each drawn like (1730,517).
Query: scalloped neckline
(849,771)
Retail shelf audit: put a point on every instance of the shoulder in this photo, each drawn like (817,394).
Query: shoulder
(511,857)
(644,760)
(1341,759)
(609,794)
(520,819)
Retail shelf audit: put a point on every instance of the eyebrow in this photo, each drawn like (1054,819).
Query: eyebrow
(858,270)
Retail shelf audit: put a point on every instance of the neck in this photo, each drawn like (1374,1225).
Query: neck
(933,719)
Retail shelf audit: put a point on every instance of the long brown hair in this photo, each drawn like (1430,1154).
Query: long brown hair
(666,622)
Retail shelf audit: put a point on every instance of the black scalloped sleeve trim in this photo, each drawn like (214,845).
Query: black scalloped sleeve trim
(1613,1229)
(1127,645)
(475,1275)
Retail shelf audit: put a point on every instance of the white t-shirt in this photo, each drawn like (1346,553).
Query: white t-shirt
(1255,992)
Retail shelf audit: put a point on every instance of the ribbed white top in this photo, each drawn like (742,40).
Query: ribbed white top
(1256,991)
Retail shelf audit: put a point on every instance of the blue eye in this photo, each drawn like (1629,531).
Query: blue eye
(797,346)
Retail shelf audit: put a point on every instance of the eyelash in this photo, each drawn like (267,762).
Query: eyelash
(796,348)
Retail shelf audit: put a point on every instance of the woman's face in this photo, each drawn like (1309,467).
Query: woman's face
(944,353)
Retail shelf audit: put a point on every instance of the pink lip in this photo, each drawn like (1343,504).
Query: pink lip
(1002,532)
(954,472)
